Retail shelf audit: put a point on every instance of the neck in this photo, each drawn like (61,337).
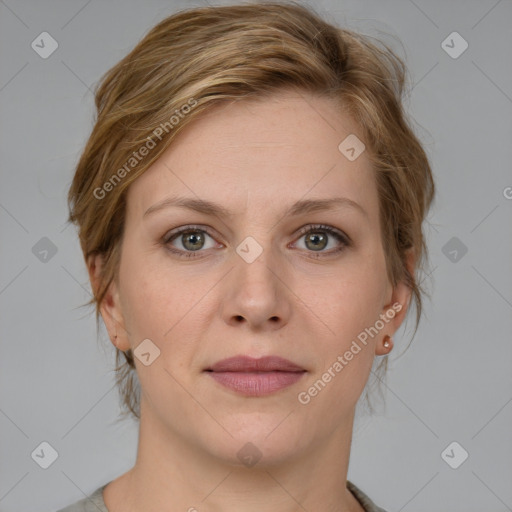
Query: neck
(172,474)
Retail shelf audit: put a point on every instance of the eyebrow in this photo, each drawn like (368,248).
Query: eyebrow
(300,207)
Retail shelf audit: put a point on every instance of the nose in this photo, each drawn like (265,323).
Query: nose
(256,294)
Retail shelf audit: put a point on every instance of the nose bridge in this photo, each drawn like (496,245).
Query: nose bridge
(253,264)
(255,292)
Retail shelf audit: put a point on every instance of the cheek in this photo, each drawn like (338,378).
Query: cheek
(152,308)
(351,298)
(346,351)
(349,305)
(145,297)
(170,308)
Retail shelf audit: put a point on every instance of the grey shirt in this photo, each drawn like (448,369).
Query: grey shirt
(95,503)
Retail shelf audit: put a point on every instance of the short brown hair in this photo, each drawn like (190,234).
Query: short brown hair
(208,55)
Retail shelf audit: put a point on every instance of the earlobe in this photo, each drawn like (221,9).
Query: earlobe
(396,309)
(110,307)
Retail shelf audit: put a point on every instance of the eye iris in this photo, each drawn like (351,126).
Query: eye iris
(194,240)
(195,237)
(319,241)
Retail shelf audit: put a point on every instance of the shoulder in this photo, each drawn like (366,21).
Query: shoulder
(93,503)
(364,500)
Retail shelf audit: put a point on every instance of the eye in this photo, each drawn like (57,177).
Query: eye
(189,240)
(318,237)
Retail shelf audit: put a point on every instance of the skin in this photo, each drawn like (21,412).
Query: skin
(255,158)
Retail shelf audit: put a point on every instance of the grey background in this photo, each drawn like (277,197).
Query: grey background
(453,384)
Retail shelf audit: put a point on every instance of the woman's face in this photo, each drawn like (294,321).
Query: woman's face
(247,281)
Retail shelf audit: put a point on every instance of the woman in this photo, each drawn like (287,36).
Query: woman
(250,207)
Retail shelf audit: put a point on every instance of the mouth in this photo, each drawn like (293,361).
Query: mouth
(256,377)
(251,364)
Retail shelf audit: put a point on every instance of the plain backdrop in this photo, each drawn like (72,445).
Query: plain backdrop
(454,384)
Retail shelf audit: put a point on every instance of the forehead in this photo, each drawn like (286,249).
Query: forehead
(272,151)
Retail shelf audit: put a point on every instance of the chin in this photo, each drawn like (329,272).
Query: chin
(259,443)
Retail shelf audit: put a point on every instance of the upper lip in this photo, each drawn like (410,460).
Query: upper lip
(250,364)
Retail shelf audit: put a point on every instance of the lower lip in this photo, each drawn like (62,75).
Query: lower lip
(256,383)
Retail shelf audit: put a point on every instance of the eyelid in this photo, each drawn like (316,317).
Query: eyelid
(343,239)
(304,230)
(309,228)
(189,227)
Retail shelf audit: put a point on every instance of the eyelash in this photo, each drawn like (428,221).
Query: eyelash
(312,228)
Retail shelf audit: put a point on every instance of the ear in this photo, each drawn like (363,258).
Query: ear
(110,307)
(398,304)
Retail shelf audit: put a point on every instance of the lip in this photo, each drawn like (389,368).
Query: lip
(251,364)
(256,377)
